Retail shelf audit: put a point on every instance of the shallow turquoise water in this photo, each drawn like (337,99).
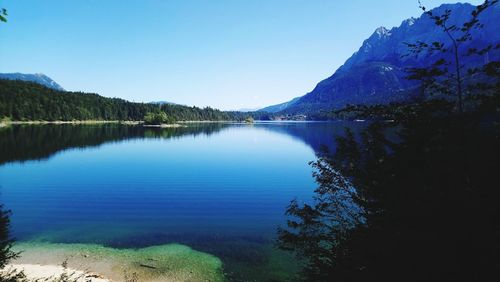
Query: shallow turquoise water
(219,188)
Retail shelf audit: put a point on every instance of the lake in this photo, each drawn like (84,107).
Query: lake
(218,188)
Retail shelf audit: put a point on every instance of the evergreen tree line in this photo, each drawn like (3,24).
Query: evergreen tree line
(28,101)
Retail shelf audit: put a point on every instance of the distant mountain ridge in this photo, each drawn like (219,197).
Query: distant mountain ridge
(245,110)
(375,74)
(39,78)
(163,103)
(280,107)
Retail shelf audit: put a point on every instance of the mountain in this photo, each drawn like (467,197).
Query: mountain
(280,107)
(375,74)
(163,103)
(246,110)
(39,78)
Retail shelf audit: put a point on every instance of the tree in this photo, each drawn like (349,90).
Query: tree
(157,118)
(3,15)
(322,233)
(6,254)
(386,211)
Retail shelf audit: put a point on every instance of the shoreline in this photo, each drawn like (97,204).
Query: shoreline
(165,125)
(129,122)
(169,262)
(6,123)
(43,122)
(49,272)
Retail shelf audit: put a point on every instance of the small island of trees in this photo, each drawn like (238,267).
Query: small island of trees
(158,118)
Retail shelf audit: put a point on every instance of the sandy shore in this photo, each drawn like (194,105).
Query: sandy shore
(48,272)
(171,262)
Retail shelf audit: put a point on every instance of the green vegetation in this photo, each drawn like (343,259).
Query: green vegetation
(3,15)
(249,120)
(6,253)
(158,118)
(27,101)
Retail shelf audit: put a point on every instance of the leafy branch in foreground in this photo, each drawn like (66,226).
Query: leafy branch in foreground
(3,15)
(6,242)
(446,75)
(6,253)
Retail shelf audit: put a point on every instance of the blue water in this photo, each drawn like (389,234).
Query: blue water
(132,187)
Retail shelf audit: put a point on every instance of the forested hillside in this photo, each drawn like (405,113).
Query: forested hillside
(21,100)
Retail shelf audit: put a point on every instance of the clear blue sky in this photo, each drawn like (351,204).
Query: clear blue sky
(224,54)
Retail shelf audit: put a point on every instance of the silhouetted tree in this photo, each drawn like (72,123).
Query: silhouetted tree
(3,15)
(6,254)
(411,210)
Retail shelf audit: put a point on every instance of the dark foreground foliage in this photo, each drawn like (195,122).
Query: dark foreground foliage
(6,253)
(421,205)
(5,240)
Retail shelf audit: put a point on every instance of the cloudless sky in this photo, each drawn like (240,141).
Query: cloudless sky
(224,54)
